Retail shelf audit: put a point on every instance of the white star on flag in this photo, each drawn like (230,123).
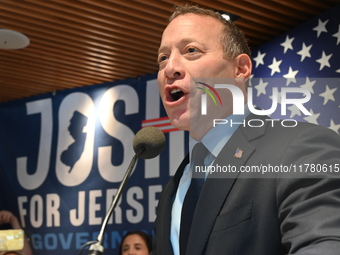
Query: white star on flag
(294,110)
(275,66)
(337,35)
(261,87)
(333,126)
(328,94)
(321,27)
(290,76)
(324,60)
(313,117)
(304,52)
(287,44)
(259,58)
(309,85)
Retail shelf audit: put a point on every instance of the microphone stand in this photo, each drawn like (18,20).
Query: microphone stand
(97,247)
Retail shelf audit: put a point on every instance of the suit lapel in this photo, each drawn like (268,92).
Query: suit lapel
(217,187)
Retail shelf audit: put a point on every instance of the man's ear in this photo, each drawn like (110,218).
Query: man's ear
(243,66)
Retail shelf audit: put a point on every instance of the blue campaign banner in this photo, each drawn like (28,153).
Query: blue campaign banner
(64,154)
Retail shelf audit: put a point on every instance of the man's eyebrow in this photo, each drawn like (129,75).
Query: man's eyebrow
(182,41)
(162,49)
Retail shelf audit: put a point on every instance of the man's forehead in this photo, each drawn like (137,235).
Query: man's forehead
(190,24)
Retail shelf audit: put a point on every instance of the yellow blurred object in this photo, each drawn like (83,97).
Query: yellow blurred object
(11,240)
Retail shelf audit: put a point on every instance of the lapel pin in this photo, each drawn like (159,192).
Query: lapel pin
(238,153)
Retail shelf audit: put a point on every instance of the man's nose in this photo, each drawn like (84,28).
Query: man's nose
(174,68)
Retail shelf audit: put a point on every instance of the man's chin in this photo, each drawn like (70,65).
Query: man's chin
(196,125)
(181,123)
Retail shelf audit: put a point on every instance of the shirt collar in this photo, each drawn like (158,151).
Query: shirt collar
(219,135)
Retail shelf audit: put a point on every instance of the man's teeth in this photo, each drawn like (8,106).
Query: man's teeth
(176,94)
(173,91)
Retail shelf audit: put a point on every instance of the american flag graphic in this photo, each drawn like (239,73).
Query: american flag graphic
(238,153)
(307,57)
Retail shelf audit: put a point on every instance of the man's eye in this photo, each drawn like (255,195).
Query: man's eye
(192,50)
(162,58)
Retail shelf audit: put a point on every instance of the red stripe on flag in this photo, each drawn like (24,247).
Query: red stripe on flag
(165,127)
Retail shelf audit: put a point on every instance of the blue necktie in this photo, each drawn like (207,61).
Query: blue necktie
(199,153)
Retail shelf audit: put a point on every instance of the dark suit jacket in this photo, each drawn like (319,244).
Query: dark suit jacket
(281,214)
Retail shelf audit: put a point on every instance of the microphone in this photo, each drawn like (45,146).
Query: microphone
(148,143)
(151,139)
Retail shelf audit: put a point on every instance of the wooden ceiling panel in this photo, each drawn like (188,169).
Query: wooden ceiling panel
(85,42)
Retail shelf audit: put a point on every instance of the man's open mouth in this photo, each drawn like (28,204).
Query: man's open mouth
(176,94)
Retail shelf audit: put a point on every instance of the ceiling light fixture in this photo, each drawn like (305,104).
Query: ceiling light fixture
(12,40)
(229,16)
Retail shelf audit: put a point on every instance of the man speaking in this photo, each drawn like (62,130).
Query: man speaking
(295,211)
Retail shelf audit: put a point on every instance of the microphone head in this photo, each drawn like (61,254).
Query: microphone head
(151,139)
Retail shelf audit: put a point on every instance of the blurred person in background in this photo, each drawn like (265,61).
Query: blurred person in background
(136,242)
